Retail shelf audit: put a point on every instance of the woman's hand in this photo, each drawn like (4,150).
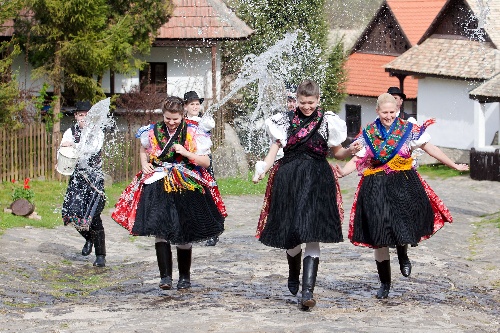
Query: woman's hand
(338,171)
(354,148)
(179,149)
(147,168)
(462,167)
(67,144)
(260,171)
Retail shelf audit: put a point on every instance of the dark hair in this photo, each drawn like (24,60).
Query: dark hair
(173,104)
(308,88)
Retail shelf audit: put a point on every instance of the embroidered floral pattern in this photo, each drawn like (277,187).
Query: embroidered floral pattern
(385,145)
(300,129)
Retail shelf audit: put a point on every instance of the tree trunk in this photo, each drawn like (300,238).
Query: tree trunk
(22,207)
(56,129)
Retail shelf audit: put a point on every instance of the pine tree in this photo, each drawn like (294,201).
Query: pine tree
(333,89)
(271,20)
(10,105)
(72,43)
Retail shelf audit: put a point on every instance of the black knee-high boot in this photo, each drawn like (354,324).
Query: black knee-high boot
(404,261)
(87,248)
(184,264)
(100,247)
(384,274)
(164,258)
(294,265)
(309,281)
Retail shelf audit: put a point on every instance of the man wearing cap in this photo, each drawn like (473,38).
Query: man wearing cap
(85,198)
(400,97)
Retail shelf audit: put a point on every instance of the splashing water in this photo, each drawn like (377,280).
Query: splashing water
(484,10)
(96,122)
(281,64)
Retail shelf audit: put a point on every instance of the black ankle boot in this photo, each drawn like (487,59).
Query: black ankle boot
(87,248)
(212,241)
(404,261)
(294,265)
(384,274)
(308,282)
(100,247)
(164,258)
(184,265)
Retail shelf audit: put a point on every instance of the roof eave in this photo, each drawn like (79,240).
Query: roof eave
(394,72)
(484,99)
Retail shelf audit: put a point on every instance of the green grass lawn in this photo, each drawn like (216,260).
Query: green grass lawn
(440,171)
(49,196)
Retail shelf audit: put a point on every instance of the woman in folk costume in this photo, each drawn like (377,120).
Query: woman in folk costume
(85,198)
(302,202)
(393,205)
(174,197)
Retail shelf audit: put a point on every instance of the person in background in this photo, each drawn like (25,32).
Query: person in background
(399,96)
(302,203)
(85,197)
(291,100)
(393,205)
(192,106)
(174,197)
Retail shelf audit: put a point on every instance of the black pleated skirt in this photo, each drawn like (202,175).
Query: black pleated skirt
(179,217)
(302,205)
(84,197)
(392,209)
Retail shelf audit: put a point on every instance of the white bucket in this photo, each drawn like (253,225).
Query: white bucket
(66,160)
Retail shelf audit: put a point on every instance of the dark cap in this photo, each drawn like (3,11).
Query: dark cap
(396,91)
(192,95)
(83,106)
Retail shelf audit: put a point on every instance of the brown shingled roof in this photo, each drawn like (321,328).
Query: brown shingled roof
(454,58)
(415,16)
(366,76)
(203,19)
(488,91)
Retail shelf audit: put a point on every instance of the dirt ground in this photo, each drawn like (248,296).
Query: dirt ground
(240,285)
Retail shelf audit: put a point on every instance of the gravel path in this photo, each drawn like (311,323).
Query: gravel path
(240,285)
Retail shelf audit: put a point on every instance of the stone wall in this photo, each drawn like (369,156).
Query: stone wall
(229,160)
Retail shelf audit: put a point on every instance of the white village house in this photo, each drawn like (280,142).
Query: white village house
(395,27)
(184,56)
(454,61)
(457,62)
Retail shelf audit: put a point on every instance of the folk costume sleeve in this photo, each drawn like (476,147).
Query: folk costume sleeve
(337,129)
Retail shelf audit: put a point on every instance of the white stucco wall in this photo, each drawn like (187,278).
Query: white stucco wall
(367,108)
(23,71)
(368,105)
(448,101)
(187,69)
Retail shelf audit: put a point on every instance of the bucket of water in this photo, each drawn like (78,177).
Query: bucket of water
(66,160)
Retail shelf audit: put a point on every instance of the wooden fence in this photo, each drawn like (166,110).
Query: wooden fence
(29,153)
(485,165)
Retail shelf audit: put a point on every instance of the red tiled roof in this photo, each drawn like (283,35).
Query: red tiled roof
(203,19)
(415,16)
(192,19)
(366,76)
